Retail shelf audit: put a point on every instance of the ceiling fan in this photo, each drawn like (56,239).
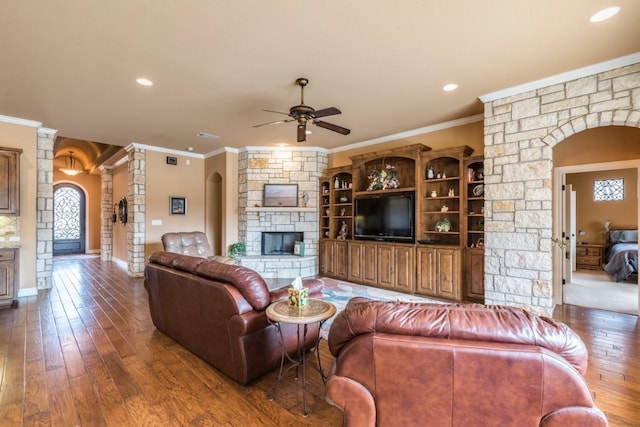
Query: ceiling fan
(304,114)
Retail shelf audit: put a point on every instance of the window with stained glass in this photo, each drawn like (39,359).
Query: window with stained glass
(608,189)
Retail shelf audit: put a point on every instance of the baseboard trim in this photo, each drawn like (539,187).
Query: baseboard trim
(27,292)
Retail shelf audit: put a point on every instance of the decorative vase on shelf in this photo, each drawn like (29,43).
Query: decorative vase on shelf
(337,183)
(430,173)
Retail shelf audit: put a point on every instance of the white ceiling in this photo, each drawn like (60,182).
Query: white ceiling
(216,64)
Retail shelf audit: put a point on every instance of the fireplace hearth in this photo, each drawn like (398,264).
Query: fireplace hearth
(280,243)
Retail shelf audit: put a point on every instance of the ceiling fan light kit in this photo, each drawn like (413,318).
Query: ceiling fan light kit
(304,114)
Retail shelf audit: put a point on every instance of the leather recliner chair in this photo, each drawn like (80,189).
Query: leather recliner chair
(418,364)
(192,243)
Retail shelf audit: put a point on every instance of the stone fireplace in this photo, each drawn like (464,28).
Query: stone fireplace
(264,165)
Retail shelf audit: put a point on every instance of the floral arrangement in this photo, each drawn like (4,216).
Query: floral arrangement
(383,180)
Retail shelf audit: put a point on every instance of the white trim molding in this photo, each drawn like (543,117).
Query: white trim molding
(589,70)
(19,121)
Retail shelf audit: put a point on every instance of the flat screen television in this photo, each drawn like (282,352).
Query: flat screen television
(387,217)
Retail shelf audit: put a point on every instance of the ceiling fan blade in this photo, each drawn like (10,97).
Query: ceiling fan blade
(277,112)
(271,123)
(331,111)
(332,127)
(302,132)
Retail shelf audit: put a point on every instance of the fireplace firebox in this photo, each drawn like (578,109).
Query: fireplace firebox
(280,243)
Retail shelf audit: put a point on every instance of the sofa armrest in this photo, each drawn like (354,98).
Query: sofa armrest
(353,399)
(575,416)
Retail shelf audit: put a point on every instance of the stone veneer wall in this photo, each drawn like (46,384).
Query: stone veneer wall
(106,225)
(520,132)
(136,196)
(259,166)
(44,209)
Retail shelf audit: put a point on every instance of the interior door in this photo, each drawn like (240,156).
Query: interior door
(569,233)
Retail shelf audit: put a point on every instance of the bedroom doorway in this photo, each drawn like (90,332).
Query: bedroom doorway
(591,287)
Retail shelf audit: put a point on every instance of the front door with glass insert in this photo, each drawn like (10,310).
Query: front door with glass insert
(68,220)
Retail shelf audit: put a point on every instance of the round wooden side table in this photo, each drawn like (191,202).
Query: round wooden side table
(281,312)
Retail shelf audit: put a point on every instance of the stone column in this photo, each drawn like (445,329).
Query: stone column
(136,199)
(106,225)
(44,208)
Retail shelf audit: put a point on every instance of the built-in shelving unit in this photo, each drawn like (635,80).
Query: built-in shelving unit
(449,217)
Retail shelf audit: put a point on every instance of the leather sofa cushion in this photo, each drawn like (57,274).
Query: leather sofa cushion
(194,243)
(250,284)
(457,321)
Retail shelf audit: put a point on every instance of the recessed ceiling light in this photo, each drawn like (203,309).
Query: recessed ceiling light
(282,144)
(449,87)
(207,135)
(604,14)
(189,148)
(308,132)
(144,82)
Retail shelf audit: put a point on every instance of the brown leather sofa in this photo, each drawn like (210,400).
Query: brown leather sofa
(217,311)
(416,364)
(193,243)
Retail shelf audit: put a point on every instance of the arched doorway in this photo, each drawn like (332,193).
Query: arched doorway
(69,233)
(213,212)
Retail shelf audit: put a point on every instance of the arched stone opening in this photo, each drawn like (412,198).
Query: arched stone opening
(520,131)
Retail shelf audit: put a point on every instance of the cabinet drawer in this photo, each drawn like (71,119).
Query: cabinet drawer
(588,260)
(7,255)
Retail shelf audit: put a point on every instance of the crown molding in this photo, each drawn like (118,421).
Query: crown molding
(163,150)
(285,148)
(589,70)
(410,133)
(19,121)
(221,151)
(47,132)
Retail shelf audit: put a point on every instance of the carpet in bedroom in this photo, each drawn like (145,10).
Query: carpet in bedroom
(596,289)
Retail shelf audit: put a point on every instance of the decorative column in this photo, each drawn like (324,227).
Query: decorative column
(106,225)
(136,201)
(44,208)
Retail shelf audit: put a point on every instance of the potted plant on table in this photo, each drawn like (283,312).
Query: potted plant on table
(238,249)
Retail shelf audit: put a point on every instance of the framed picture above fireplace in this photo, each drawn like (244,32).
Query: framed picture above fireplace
(280,195)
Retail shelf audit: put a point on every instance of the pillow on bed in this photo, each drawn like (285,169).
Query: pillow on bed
(623,236)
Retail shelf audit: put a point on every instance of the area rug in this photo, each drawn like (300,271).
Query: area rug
(339,293)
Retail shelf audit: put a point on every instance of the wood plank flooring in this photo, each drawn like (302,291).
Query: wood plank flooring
(86,353)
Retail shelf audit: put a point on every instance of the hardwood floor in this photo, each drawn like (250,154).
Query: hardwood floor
(86,353)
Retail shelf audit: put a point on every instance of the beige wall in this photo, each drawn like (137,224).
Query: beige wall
(163,181)
(91,185)
(471,134)
(226,165)
(590,215)
(26,138)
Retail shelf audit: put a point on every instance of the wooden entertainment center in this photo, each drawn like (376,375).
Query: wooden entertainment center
(444,257)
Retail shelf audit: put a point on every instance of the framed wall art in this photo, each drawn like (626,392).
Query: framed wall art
(280,195)
(177,205)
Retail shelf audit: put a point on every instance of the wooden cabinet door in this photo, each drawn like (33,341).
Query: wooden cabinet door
(386,265)
(8,267)
(322,257)
(370,263)
(404,265)
(426,277)
(448,273)
(9,182)
(474,274)
(330,258)
(354,258)
(341,260)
